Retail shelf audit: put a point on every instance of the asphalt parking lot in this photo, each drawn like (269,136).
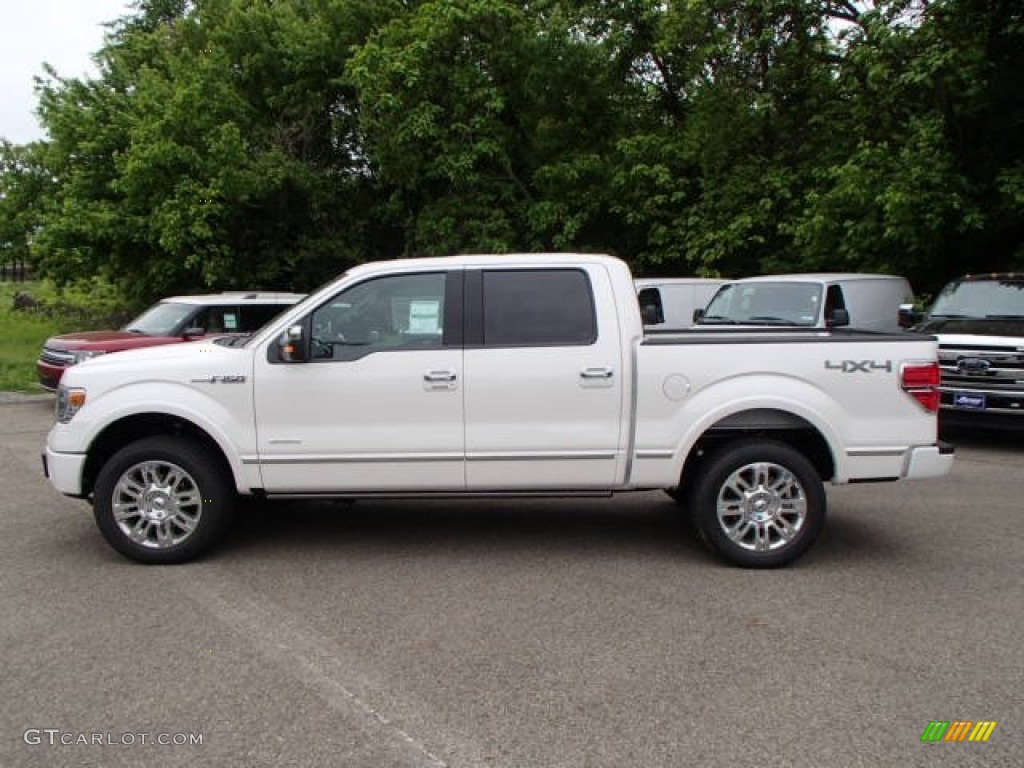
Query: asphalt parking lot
(515,633)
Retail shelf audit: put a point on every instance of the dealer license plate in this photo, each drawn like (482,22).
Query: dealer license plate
(969,401)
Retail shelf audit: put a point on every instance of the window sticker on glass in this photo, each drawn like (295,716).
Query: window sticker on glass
(425,316)
(230,321)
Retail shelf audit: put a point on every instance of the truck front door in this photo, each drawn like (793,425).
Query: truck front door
(378,406)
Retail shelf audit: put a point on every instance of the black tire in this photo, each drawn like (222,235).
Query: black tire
(758,503)
(163,499)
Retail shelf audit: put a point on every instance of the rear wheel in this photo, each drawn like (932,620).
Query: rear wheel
(163,499)
(758,504)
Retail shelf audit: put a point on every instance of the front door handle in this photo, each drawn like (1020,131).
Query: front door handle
(440,376)
(440,380)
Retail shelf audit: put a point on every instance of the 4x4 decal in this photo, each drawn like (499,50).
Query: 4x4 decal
(859,366)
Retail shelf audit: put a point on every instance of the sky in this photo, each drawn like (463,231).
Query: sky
(62,33)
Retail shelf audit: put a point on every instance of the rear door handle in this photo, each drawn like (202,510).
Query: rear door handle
(597,373)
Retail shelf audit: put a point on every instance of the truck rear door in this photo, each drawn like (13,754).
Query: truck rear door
(543,379)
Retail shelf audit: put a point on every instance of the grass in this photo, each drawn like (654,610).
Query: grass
(84,306)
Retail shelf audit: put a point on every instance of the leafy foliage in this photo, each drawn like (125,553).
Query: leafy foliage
(272,143)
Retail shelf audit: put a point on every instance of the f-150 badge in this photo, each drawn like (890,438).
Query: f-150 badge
(859,366)
(234,379)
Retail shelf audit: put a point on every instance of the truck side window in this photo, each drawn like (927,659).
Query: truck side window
(538,307)
(385,313)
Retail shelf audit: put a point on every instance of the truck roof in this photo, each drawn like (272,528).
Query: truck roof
(1011,277)
(822,277)
(485,260)
(236,297)
(644,282)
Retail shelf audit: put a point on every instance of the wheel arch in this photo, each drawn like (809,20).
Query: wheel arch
(128,429)
(775,424)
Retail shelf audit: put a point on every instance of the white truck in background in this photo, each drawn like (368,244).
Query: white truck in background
(979,323)
(493,375)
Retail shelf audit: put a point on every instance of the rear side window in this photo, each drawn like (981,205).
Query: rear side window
(255,316)
(218,320)
(538,307)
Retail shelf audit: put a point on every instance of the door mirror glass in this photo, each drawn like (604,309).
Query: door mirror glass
(837,318)
(907,316)
(651,310)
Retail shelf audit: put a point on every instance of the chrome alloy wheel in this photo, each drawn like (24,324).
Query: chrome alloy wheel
(156,504)
(762,507)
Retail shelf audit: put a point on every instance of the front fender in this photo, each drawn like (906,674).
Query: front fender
(225,416)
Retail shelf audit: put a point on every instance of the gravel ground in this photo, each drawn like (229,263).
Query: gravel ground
(23,397)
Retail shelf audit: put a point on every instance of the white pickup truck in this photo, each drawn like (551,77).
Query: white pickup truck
(494,375)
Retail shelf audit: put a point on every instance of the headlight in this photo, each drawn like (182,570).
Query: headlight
(86,354)
(69,401)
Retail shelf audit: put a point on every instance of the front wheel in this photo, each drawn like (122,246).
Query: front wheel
(758,504)
(163,499)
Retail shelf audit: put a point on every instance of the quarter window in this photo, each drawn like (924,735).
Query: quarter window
(255,316)
(538,307)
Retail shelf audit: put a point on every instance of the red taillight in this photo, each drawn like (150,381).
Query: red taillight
(921,382)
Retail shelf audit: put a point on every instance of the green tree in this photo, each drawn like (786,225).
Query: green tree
(927,179)
(735,98)
(275,142)
(220,143)
(490,123)
(23,182)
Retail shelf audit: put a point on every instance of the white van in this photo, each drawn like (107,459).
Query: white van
(669,303)
(813,300)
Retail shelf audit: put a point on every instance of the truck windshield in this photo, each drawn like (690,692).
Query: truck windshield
(163,319)
(765,303)
(980,299)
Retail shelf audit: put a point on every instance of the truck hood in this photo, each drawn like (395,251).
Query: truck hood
(974,326)
(179,363)
(104,340)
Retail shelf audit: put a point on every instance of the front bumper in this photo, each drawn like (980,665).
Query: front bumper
(64,471)
(49,375)
(982,402)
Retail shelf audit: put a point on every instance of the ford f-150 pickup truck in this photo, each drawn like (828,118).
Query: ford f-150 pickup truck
(494,375)
(978,321)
